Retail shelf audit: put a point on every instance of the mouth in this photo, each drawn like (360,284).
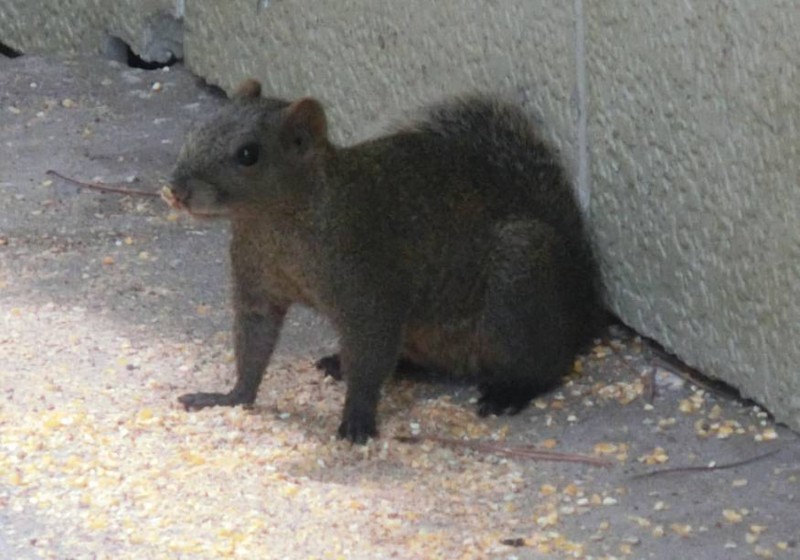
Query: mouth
(168,196)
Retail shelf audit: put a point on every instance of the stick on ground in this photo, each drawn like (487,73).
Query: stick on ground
(517,451)
(706,468)
(102,187)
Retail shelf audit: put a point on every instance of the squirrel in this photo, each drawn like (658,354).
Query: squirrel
(454,243)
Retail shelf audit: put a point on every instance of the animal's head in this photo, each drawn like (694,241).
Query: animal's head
(254,151)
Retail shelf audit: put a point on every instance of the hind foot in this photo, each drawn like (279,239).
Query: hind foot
(499,399)
(510,397)
(330,366)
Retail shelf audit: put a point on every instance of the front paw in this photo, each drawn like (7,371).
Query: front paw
(358,427)
(196,401)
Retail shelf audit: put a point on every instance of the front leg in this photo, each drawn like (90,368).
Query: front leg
(255,335)
(370,349)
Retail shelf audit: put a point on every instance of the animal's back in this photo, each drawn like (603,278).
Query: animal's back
(492,149)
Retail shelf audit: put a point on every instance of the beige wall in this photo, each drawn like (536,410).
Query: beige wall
(685,130)
(33,26)
(695,135)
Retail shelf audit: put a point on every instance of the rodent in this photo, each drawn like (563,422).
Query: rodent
(454,242)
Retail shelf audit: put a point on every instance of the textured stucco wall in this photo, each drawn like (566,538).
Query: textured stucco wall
(694,129)
(32,26)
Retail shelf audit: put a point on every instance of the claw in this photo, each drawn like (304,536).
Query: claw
(358,428)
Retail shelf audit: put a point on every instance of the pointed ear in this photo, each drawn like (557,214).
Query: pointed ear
(304,125)
(249,88)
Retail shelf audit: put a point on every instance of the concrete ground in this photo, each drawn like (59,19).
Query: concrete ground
(111,306)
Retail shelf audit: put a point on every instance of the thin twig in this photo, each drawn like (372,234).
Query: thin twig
(667,361)
(102,188)
(706,468)
(519,451)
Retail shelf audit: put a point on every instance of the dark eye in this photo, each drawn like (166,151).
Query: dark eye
(247,155)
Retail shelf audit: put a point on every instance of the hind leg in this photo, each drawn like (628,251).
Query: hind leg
(525,331)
